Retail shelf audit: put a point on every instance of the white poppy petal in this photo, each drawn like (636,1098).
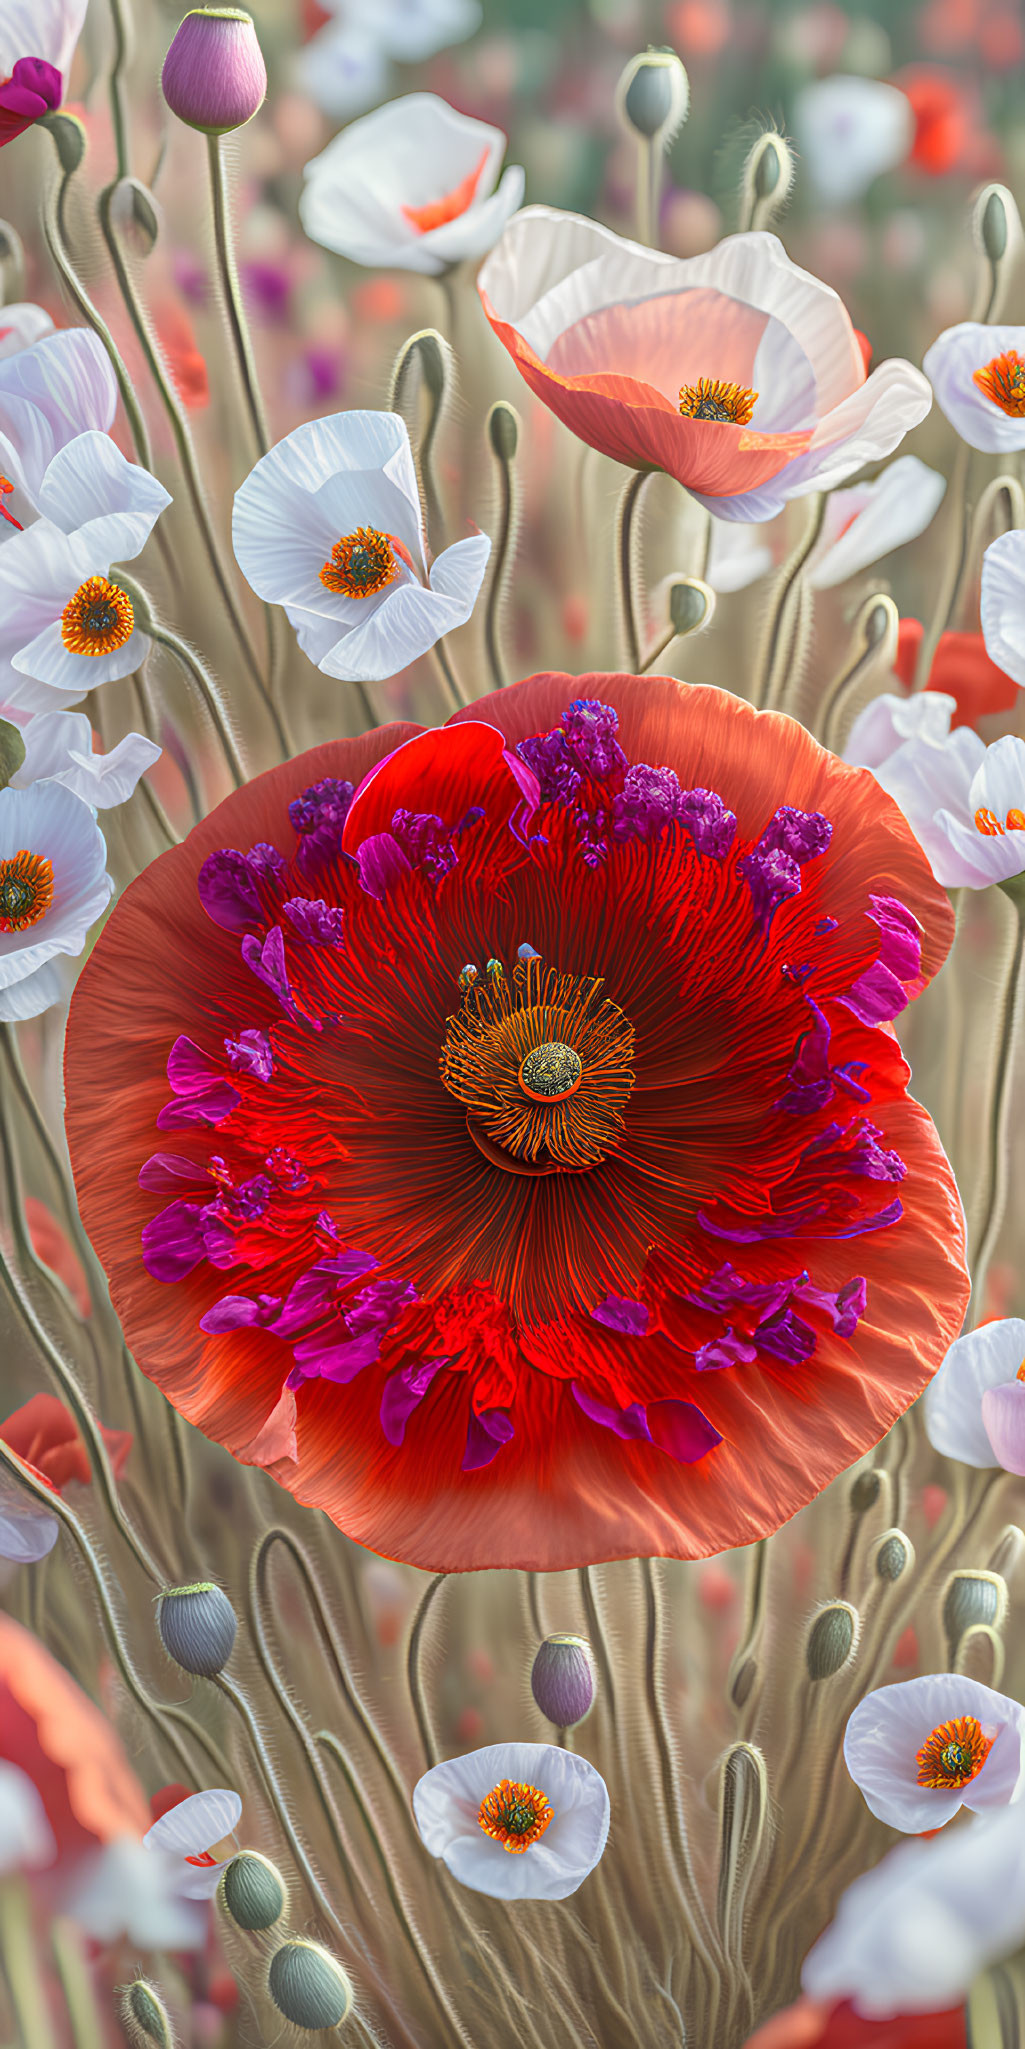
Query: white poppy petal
(343,68)
(40,28)
(1000,1780)
(21,325)
(190,1828)
(200,1881)
(911,1935)
(984,1358)
(950,366)
(59,387)
(737,558)
(889,720)
(32,994)
(46,661)
(58,744)
(849,130)
(1003,1419)
(126,1891)
(894,508)
(410,154)
(892,1724)
(321,482)
(1003,603)
(26,1839)
(413,30)
(26,1533)
(446,1806)
(409,619)
(89,477)
(50,821)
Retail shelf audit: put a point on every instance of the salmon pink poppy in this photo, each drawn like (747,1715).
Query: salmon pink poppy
(735,372)
(45,1435)
(512,1147)
(53,1733)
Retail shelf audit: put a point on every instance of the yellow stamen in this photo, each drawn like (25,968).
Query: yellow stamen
(709,399)
(98,619)
(954,1753)
(26,890)
(361,564)
(515,1815)
(1003,381)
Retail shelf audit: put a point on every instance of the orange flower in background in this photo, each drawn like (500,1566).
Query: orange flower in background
(812,2024)
(178,343)
(51,1244)
(945,119)
(45,1435)
(71,1754)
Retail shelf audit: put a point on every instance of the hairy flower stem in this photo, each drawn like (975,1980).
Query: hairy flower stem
(56,242)
(873,646)
(457,696)
(627,546)
(87,2027)
(500,559)
(784,630)
(232,290)
(186,453)
(1000,1082)
(194,668)
(427,1738)
(20,1962)
(955,565)
(119,57)
(657,651)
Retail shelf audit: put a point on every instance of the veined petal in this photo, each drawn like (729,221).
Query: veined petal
(891,1726)
(1003,603)
(40,28)
(984,1358)
(950,366)
(867,521)
(203,1819)
(21,325)
(447,1801)
(51,667)
(58,745)
(88,478)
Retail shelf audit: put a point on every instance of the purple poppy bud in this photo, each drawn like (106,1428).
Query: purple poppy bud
(214,76)
(562,1680)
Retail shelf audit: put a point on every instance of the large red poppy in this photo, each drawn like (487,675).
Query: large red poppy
(645,1290)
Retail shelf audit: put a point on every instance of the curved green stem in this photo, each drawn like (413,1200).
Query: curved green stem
(233,294)
(500,559)
(625,543)
(430,1747)
(119,27)
(782,633)
(56,242)
(193,666)
(1001,1081)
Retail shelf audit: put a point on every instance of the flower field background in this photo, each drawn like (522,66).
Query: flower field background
(512,907)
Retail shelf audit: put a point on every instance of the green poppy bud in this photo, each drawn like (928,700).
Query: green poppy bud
(308,1986)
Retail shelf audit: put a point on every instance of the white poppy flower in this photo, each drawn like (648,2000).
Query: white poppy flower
(978,375)
(411,186)
(126,1892)
(328,525)
(921,1749)
(518,1821)
(70,626)
(345,66)
(869,520)
(51,390)
(21,325)
(187,1832)
(734,372)
(973,1406)
(26,1838)
(849,130)
(53,886)
(59,749)
(912,1935)
(964,801)
(1003,603)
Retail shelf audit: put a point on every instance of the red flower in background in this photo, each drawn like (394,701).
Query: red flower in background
(536,1183)
(810,2025)
(45,1435)
(960,667)
(68,1750)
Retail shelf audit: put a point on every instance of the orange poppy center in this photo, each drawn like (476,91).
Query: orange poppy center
(542,1065)
(451,204)
(98,619)
(953,1754)
(987,822)
(1003,381)
(6,487)
(709,399)
(515,1815)
(26,890)
(360,565)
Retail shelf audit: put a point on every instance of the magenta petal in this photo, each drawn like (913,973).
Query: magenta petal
(681,1429)
(1003,1417)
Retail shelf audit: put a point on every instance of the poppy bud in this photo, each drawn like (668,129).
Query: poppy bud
(980,1655)
(145,2017)
(133,211)
(653,95)
(865,1490)
(691,604)
(894,1554)
(562,1680)
(740,1689)
(69,139)
(769,170)
(308,1986)
(428,352)
(831,1640)
(1007,1552)
(214,76)
(253,1891)
(879,615)
(992,213)
(971,1598)
(12,262)
(743,1808)
(197,1627)
(503,430)
(12,752)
